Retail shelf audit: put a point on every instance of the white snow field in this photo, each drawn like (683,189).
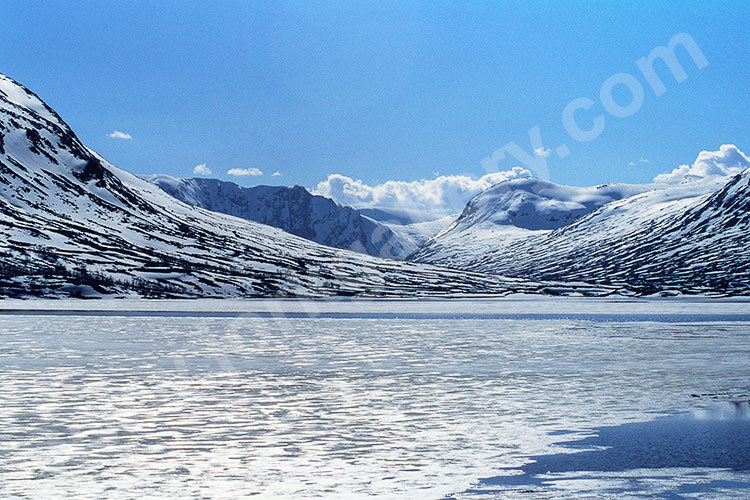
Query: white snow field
(402,399)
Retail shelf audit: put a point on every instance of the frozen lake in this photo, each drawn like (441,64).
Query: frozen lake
(390,399)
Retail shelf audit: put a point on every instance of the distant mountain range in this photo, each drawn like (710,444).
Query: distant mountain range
(73,224)
(294,210)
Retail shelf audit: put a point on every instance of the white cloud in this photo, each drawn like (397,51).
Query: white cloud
(276,174)
(641,161)
(202,169)
(120,135)
(244,171)
(446,194)
(542,153)
(728,160)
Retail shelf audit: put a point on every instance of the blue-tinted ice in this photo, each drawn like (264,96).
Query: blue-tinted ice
(717,437)
(372,399)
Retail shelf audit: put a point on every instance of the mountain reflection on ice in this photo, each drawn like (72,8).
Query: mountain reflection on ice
(717,437)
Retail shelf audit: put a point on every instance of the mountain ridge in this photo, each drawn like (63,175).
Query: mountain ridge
(293,209)
(72,224)
(651,241)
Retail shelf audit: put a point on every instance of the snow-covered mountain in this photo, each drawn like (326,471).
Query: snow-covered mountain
(692,237)
(538,204)
(516,209)
(292,209)
(71,223)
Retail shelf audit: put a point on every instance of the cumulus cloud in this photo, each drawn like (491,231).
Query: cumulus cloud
(244,171)
(276,174)
(116,134)
(728,160)
(446,194)
(202,169)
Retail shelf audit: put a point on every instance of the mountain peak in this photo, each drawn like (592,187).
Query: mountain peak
(537,204)
(15,95)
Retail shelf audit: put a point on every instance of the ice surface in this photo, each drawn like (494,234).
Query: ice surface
(190,405)
(517,305)
(717,437)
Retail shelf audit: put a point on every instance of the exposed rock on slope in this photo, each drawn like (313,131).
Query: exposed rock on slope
(71,223)
(292,209)
(671,238)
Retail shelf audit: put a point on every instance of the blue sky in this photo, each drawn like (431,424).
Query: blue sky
(376,90)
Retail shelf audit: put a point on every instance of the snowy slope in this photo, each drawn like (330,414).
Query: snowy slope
(692,237)
(412,227)
(538,204)
(517,209)
(292,209)
(72,223)
(416,234)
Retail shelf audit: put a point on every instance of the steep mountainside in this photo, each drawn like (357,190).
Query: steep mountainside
(673,237)
(71,223)
(292,209)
